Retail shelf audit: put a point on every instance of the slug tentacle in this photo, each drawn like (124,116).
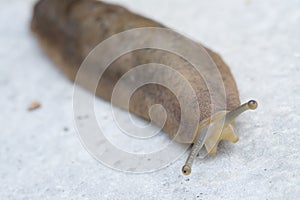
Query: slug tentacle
(220,128)
(252,105)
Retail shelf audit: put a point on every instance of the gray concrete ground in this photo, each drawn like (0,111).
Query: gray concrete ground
(41,156)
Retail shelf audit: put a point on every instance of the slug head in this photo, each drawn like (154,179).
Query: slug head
(220,127)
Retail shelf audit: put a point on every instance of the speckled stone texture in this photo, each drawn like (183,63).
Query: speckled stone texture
(41,156)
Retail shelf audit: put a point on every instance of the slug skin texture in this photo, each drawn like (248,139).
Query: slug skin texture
(68,30)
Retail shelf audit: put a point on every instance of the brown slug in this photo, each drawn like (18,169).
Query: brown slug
(69,29)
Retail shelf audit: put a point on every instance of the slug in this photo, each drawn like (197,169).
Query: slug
(68,30)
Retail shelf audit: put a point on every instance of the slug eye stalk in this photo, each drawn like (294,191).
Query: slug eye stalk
(220,127)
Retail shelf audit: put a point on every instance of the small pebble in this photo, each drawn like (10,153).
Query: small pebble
(34,105)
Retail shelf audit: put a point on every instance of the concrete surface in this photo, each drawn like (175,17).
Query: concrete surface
(41,156)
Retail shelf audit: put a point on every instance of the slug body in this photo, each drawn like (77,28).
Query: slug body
(69,29)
